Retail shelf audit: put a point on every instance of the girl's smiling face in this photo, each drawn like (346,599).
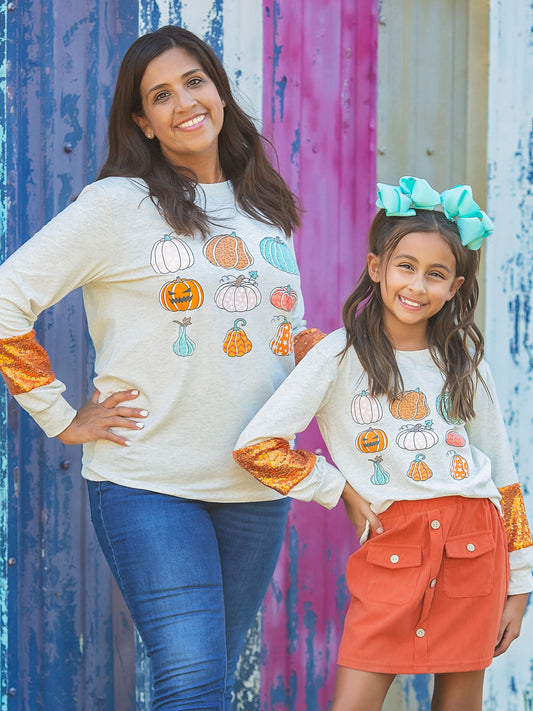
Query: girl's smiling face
(183,110)
(416,282)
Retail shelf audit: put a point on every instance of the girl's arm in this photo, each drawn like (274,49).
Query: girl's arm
(487,433)
(264,450)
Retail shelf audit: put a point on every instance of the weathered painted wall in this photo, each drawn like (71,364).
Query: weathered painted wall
(61,63)
(509,287)
(319,109)
(3,398)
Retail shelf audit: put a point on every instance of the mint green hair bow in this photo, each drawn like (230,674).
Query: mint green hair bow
(457,203)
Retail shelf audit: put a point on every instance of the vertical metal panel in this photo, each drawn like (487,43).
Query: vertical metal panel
(422,90)
(4,493)
(319,110)
(62,63)
(509,292)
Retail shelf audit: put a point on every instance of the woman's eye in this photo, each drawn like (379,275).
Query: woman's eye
(195,81)
(161,95)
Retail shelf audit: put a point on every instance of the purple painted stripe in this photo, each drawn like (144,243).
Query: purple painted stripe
(319,108)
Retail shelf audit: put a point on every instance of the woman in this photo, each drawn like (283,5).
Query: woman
(183,249)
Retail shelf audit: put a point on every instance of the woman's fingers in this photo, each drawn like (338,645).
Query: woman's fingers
(94,420)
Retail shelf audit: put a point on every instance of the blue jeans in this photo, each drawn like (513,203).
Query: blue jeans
(193,575)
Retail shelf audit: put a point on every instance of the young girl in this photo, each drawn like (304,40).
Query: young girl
(408,409)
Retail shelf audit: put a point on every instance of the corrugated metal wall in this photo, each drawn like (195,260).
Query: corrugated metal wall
(61,63)
(509,287)
(447,113)
(70,639)
(319,109)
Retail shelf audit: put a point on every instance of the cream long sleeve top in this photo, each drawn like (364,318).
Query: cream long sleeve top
(203,329)
(402,451)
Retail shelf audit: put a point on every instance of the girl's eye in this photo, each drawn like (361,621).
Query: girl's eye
(438,275)
(405,265)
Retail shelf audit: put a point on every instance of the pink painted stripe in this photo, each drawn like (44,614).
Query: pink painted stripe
(319,99)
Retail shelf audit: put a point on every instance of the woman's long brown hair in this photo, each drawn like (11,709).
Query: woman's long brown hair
(259,190)
(454,341)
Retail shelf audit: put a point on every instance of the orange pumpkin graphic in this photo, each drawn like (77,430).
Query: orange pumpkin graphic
(410,405)
(282,343)
(283,297)
(419,470)
(458,466)
(371,440)
(228,251)
(181,295)
(237,343)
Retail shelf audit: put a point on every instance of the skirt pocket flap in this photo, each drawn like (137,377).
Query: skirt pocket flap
(394,556)
(470,545)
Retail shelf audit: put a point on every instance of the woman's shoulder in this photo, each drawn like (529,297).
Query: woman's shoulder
(116,186)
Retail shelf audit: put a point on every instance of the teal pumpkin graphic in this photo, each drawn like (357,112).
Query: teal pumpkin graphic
(444,407)
(184,346)
(279,254)
(380,476)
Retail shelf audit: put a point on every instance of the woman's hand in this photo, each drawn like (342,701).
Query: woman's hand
(94,419)
(359,512)
(513,612)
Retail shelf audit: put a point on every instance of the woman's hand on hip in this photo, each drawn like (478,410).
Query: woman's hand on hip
(94,419)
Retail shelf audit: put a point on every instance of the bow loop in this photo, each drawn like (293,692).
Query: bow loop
(457,204)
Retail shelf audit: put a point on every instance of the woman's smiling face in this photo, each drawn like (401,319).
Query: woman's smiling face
(183,110)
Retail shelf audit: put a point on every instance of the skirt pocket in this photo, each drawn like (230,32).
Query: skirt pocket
(386,573)
(468,565)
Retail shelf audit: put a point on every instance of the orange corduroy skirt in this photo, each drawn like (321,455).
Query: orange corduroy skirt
(428,593)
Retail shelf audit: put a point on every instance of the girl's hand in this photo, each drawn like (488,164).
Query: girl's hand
(359,512)
(513,612)
(94,419)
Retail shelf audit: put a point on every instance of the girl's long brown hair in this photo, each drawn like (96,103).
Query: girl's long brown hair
(455,342)
(259,189)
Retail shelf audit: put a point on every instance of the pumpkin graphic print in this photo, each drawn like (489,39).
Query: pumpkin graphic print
(284,298)
(184,346)
(181,295)
(458,466)
(419,436)
(282,343)
(366,409)
(237,343)
(278,254)
(371,440)
(228,251)
(171,254)
(410,405)
(237,294)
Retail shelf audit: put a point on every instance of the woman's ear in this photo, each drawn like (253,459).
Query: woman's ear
(373,263)
(143,123)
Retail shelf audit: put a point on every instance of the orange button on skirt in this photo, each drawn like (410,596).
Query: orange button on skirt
(428,593)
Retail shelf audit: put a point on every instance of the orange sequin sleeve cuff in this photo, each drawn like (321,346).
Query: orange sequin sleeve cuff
(305,340)
(24,364)
(275,464)
(515,518)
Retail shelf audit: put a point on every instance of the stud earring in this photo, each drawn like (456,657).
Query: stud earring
(149,135)
(224,103)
